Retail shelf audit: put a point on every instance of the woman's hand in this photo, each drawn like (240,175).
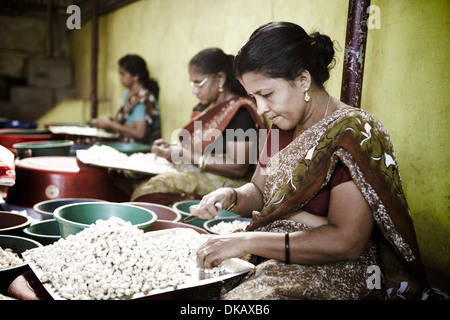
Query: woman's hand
(103,122)
(219,248)
(161,148)
(212,203)
(160,143)
(163,151)
(134,130)
(171,152)
(167,151)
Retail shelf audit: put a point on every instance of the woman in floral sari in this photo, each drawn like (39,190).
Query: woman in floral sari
(203,155)
(138,117)
(329,186)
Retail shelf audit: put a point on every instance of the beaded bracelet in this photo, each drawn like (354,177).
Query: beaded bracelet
(286,243)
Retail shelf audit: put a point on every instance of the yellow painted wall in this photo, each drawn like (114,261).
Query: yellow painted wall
(167,33)
(405,81)
(406,85)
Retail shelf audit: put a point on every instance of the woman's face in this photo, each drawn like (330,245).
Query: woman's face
(281,101)
(126,79)
(205,87)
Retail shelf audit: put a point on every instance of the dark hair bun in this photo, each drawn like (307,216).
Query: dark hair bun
(325,47)
(284,50)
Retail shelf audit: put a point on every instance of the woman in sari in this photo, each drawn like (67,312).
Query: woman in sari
(138,117)
(203,156)
(331,182)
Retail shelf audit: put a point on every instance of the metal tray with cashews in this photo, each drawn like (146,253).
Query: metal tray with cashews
(192,275)
(139,163)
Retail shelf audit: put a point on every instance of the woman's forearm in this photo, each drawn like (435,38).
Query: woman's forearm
(249,199)
(315,246)
(137,132)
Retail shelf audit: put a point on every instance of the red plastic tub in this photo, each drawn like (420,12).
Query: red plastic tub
(8,137)
(45,178)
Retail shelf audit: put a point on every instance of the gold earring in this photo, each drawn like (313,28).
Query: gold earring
(307,96)
(220,88)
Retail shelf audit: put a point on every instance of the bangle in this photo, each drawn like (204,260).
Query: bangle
(286,243)
(201,163)
(233,205)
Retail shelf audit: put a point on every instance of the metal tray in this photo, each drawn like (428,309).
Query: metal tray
(143,167)
(230,268)
(82,131)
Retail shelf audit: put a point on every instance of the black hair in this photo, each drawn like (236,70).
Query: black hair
(284,50)
(136,66)
(213,61)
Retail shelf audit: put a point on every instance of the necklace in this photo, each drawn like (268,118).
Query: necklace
(328,104)
(297,129)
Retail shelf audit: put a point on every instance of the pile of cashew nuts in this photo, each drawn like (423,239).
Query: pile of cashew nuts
(112,259)
(9,259)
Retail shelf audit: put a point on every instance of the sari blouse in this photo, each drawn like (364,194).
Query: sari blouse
(318,205)
(141,106)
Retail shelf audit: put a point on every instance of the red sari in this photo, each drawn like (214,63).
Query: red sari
(217,118)
(190,182)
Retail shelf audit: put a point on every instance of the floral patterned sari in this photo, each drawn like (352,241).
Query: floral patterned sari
(297,173)
(145,97)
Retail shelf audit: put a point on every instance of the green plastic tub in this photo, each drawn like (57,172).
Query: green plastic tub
(73,218)
(45,232)
(43,148)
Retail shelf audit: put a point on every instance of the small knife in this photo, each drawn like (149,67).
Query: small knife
(192,217)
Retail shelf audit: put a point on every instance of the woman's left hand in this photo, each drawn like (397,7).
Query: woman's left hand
(221,247)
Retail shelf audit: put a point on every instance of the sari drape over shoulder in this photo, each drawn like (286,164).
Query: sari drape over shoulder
(190,180)
(218,118)
(355,137)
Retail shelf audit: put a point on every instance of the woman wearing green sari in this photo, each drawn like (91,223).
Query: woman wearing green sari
(329,186)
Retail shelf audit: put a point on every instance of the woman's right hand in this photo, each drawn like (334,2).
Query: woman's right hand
(103,122)
(212,203)
(160,143)
(162,151)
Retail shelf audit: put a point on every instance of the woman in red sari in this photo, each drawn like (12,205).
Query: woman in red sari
(321,192)
(203,155)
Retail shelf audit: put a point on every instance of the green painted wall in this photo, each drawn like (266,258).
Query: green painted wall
(405,80)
